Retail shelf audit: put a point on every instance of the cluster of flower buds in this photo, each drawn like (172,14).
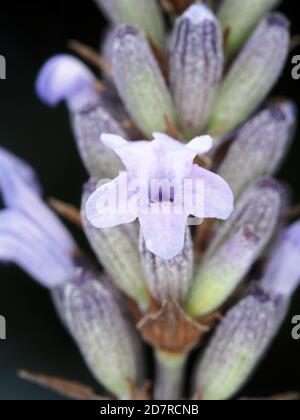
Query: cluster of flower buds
(149,207)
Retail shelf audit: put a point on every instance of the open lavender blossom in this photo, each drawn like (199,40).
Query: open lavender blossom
(164,187)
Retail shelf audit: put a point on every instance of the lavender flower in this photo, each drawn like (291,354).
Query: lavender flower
(162,215)
(66,78)
(30,234)
(249,328)
(196,66)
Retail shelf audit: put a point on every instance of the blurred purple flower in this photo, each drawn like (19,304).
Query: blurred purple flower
(30,234)
(64,77)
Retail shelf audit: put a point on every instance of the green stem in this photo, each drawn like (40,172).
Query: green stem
(169,375)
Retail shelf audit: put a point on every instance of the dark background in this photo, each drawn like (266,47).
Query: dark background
(31,31)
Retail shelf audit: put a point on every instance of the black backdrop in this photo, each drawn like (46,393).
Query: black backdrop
(30,32)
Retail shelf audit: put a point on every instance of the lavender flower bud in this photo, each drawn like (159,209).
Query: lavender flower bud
(65,78)
(140,82)
(236,247)
(169,279)
(259,146)
(240,18)
(237,346)
(248,329)
(117,249)
(102,334)
(144,14)
(88,126)
(282,273)
(253,74)
(196,66)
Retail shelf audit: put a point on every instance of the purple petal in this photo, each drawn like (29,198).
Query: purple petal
(217,196)
(21,168)
(133,155)
(164,234)
(17,193)
(282,275)
(200,145)
(24,243)
(109,205)
(64,77)
(177,158)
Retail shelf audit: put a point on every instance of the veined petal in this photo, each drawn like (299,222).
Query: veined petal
(163,233)
(217,196)
(109,206)
(24,243)
(65,78)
